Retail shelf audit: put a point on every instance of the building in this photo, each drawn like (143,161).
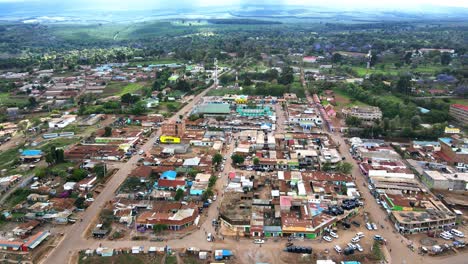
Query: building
(368,113)
(310,59)
(213,109)
(445,181)
(175,129)
(460,113)
(454,151)
(62,122)
(174,216)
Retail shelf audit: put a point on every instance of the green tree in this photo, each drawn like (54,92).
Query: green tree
(100,171)
(353,121)
(237,159)
(179,194)
(415,121)
(60,156)
(79,203)
(445,58)
(327,166)
(107,131)
(217,158)
(78,175)
(193,117)
(256,161)
(345,167)
(337,57)
(157,228)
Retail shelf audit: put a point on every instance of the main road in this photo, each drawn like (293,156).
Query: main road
(74,238)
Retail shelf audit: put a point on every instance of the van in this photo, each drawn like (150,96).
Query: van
(457,233)
(445,236)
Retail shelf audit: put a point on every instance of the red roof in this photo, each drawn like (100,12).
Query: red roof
(462,107)
(141,172)
(170,183)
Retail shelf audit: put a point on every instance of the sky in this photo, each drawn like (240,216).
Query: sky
(178,4)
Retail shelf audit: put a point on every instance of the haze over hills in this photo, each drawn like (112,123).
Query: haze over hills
(103,11)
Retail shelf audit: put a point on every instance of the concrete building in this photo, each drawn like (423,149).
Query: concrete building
(454,151)
(445,181)
(460,113)
(369,113)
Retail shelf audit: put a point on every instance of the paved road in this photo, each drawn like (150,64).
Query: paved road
(74,238)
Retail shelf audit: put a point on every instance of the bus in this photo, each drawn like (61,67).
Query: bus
(169,140)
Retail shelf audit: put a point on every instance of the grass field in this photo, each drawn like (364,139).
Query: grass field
(7,100)
(121,88)
(390,69)
(58,143)
(458,101)
(131,88)
(8,157)
(344,100)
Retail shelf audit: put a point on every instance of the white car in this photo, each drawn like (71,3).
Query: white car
(359,248)
(350,245)
(209,237)
(337,248)
(141,152)
(334,235)
(355,239)
(360,234)
(327,238)
(369,226)
(374,226)
(215,197)
(259,241)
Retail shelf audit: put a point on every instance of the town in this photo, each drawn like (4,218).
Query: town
(300,156)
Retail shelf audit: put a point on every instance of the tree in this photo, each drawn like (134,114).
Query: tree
(353,121)
(415,121)
(286,76)
(237,159)
(404,84)
(337,57)
(32,101)
(182,85)
(193,117)
(157,228)
(256,161)
(179,194)
(445,58)
(59,156)
(247,81)
(78,175)
(217,158)
(100,171)
(345,167)
(129,99)
(79,203)
(107,131)
(327,166)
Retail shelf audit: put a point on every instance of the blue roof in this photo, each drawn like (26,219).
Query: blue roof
(423,110)
(31,152)
(446,140)
(169,174)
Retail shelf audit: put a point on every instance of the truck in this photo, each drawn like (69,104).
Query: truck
(221,254)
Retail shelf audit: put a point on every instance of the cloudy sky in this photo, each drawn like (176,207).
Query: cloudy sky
(178,4)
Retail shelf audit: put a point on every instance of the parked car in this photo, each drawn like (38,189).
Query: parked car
(369,226)
(378,238)
(333,234)
(209,237)
(356,223)
(360,234)
(355,239)
(327,238)
(259,241)
(359,248)
(374,226)
(337,248)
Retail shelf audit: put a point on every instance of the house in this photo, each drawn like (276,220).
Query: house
(25,228)
(309,59)
(62,121)
(172,185)
(31,154)
(169,175)
(143,173)
(191,162)
(368,113)
(175,217)
(87,183)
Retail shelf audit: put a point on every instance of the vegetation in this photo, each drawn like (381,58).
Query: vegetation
(237,159)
